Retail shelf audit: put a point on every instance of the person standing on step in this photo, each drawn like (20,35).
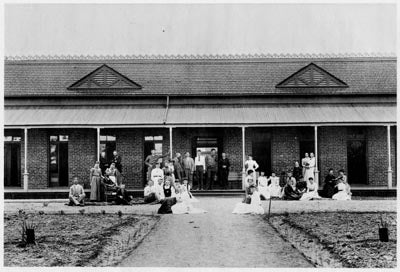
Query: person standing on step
(188,167)
(95,182)
(251,164)
(224,165)
(178,167)
(151,161)
(200,164)
(212,168)
(117,160)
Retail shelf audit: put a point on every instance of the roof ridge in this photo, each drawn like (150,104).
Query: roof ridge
(204,56)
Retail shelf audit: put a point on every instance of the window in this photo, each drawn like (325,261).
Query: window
(357,155)
(12,159)
(58,160)
(153,142)
(108,144)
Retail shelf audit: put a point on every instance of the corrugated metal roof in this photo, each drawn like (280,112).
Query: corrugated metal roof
(69,116)
(200,115)
(198,77)
(283,114)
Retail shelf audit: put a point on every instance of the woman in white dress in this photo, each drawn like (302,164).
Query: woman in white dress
(312,191)
(344,190)
(309,172)
(254,207)
(251,164)
(263,188)
(183,203)
(305,162)
(186,189)
(274,188)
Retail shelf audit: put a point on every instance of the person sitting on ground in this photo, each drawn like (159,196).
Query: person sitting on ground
(274,187)
(290,191)
(301,186)
(76,194)
(149,192)
(312,191)
(122,197)
(329,188)
(157,173)
(248,181)
(159,190)
(186,189)
(253,207)
(344,190)
(263,188)
(183,203)
(169,190)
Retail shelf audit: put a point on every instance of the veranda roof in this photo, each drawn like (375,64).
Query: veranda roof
(285,114)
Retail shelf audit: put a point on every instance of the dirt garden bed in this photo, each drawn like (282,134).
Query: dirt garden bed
(340,239)
(74,239)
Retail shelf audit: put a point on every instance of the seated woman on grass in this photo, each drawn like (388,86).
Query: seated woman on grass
(149,192)
(253,207)
(290,191)
(263,187)
(248,181)
(344,190)
(183,203)
(312,191)
(186,188)
(274,188)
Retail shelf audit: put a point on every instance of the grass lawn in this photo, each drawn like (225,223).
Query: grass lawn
(74,239)
(351,238)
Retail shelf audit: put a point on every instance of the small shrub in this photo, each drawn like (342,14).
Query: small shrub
(82,211)
(103,212)
(45,204)
(41,212)
(119,213)
(62,212)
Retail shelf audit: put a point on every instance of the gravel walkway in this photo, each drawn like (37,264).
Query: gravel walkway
(215,239)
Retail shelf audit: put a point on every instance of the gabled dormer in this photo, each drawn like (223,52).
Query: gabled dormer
(312,76)
(104,77)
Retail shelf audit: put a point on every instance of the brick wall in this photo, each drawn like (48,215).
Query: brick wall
(332,149)
(38,149)
(82,149)
(393,146)
(284,149)
(377,158)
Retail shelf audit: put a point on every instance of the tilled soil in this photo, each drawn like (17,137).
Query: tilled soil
(74,240)
(349,238)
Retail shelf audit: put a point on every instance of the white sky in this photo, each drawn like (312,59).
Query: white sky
(199,29)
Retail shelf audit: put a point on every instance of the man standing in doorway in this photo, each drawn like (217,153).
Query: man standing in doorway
(200,165)
(212,167)
(224,170)
(178,167)
(188,167)
(117,160)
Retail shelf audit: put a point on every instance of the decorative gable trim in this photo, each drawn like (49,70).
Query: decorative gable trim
(312,76)
(104,77)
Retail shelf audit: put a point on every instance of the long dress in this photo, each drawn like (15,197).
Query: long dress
(95,184)
(312,192)
(263,188)
(254,207)
(310,169)
(186,189)
(184,205)
(274,187)
(344,192)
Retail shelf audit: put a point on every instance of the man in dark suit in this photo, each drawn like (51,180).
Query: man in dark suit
(224,165)
(117,160)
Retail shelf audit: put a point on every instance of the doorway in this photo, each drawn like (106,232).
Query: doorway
(12,162)
(58,161)
(357,156)
(261,151)
(151,142)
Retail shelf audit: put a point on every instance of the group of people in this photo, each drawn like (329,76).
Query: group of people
(204,170)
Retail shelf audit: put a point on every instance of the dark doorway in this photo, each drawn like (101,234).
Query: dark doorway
(261,151)
(357,156)
(306,146)
(58,161)
(12,164)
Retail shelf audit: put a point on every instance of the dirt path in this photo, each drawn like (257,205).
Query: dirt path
(216,239)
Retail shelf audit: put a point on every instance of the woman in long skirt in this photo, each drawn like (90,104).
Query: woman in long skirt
(95,182)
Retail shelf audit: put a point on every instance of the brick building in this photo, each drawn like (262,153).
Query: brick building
(61,112)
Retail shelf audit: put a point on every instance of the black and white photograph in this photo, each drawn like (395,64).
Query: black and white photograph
(199,135)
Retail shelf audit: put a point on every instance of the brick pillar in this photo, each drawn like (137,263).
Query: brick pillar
(26,175)
(389,175)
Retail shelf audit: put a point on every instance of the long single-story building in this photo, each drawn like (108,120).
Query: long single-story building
(60,112)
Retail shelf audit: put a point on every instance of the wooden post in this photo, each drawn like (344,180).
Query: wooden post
(316,172)
(26,175)
(170,143)
(244,154)
(390,182)
(98,144)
